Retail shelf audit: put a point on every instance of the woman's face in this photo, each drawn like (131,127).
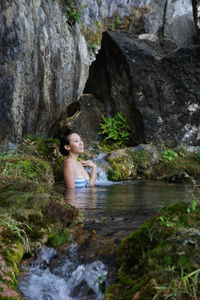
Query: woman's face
(76,144)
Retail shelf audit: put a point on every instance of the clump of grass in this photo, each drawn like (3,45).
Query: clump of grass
(39,146)
(17,228)
(172,162)
(26,167)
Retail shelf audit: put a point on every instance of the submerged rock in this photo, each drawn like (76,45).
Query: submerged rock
(181,177)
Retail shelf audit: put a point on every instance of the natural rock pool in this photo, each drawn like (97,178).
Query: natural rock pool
(84,268)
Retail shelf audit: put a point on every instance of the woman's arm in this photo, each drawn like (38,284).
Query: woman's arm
(89,163)
(68,171)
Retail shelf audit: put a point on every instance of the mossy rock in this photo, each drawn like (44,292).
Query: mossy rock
(35,208)
(32,212)
(26,168)
(129,164)
(161,259)
(59,237)
(13,254)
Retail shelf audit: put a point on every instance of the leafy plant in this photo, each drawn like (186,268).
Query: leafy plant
(165,222)
(192,206)
(115,129)
(72,12)
(169,154)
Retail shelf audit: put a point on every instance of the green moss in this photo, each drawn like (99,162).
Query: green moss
(127,165)
(14,255)
(122,168)
(59,237)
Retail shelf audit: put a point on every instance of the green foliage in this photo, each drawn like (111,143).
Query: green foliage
(192,207)
(169,154)
(114,174)
(115,23)
(72,12)
(165,222)
(115,129)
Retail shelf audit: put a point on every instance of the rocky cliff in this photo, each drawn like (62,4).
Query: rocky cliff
(44,64)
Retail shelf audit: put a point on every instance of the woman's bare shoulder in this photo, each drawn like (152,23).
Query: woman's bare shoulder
(68,163)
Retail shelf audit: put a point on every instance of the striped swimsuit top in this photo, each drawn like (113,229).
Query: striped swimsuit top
(81,182)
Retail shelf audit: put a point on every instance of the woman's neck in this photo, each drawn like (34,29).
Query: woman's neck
(73,156)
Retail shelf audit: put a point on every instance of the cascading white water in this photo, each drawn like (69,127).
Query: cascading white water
(70,281)
(102,165)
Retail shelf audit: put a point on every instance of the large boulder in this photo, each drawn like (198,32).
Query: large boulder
(153,83)
(44,64)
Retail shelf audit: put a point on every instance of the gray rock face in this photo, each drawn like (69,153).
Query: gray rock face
(173,18)
(43,67)
(153,83)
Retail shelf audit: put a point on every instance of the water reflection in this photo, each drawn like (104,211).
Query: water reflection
(129,197)
(82,198)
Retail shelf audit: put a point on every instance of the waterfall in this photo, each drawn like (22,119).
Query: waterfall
(102,165)
(68,281)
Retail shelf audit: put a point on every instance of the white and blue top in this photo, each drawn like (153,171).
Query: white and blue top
(81,182)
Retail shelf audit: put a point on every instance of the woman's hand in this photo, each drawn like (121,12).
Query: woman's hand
(88,163)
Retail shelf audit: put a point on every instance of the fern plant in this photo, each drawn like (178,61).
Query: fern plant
(115,130)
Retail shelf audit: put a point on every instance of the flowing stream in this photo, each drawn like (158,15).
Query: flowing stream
(82,271)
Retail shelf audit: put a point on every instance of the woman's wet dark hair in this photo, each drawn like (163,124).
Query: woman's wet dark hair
(64,140)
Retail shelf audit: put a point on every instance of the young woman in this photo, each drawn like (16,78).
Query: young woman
(74,172)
